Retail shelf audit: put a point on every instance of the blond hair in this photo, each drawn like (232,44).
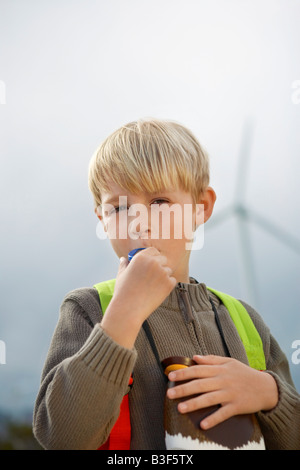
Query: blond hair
(149,155)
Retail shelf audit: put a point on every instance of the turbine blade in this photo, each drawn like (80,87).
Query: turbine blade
(220,217)
(276,231)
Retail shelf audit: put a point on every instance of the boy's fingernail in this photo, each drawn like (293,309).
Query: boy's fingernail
(182,406)
(171,393)
(172,375)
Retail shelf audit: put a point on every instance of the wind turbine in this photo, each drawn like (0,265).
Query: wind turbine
(245,216)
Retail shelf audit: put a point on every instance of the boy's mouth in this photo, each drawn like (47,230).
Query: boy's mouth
(145,244)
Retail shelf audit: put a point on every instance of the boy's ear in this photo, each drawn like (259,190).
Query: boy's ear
(205,206)
(98,213)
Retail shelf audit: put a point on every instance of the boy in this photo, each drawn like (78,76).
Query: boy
(153,164)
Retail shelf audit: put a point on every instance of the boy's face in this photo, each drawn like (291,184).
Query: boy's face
(164,220)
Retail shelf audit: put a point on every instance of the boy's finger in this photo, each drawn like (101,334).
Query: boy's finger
(201,401)
(161,259)
(193,372)
(211,359)
(223,413)
(193,387)
(168,270)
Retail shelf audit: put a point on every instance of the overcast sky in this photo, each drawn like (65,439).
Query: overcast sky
(71,72)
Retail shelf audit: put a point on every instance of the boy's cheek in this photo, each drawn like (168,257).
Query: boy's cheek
(120,247)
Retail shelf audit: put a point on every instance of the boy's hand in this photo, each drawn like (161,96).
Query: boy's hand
(141,286)
(238,388)
(145,282)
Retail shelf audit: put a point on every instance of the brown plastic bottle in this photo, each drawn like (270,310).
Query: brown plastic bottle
(182,431)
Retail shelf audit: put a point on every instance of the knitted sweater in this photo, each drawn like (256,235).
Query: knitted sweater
(86,373)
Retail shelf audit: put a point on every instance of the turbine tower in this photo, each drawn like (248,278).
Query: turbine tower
(244,217)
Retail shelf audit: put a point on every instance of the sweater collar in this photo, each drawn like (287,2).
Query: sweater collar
(197,293)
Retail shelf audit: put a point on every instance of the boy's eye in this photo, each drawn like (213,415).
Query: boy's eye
(160,201)
(120,208)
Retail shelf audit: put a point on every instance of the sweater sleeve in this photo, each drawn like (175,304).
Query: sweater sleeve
(281,425)
(83,382)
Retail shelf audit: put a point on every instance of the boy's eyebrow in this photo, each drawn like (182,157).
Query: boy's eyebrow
(111,200)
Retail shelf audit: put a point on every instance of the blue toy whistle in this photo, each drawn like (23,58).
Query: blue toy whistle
(133,252)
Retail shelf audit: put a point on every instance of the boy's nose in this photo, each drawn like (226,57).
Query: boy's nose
(140,230)
(140,225)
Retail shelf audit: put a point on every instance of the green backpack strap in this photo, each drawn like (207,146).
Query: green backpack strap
(105,290)
(246,329)
(248,333)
